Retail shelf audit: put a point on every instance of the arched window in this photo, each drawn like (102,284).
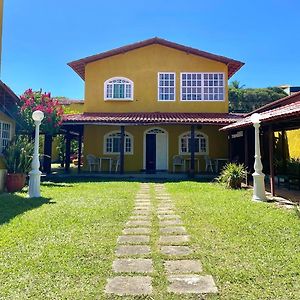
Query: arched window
(112,141)
(201,143)
(118,88)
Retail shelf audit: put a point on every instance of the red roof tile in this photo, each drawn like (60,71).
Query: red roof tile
(286,112)
(79,65)
(140,118)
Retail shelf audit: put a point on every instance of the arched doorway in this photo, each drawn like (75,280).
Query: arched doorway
(155,149)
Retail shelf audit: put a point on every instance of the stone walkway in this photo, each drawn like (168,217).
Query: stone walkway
(134,266)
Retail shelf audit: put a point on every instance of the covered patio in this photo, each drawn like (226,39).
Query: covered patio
(83,127)
(276,118)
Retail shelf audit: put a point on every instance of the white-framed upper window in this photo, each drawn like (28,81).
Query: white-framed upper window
(5,135)
(201,143)
(166,86)
(112,142)
(118,88)
(196,86)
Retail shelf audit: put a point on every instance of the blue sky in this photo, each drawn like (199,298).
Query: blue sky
(40,37)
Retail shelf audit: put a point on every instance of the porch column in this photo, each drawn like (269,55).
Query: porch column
(68,151)
(47,153)
(246,158)
(271,159)
(192,172)
(230,146)
(122,139)
(79,151)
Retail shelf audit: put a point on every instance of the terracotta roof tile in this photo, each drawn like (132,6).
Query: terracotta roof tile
(79,65)
(286,112)
(141,118)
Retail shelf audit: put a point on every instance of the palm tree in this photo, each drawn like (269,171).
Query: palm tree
(236,85)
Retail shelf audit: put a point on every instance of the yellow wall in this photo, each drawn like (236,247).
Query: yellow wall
(5,118)
(94,137)
(141,66)
(293,137)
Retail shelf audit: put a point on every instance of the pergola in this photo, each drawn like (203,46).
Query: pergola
(280,115)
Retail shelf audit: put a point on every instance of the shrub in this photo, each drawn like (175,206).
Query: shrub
(232,175)
(18,155)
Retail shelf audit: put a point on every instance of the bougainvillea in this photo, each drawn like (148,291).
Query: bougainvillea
(37,100)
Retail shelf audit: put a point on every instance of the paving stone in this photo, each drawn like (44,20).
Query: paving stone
(138,223)
(140,217)
(141,212)
(128,250)
(172,230)
(175,250)
(183,266)
(166,207)
(166,212)
(134,239)
(127,285)
(168,217)
(136,230)
(170,222)
(138,207)
(173,239)
(133,265)
(192,284)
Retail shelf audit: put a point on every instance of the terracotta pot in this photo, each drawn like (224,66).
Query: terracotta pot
(15,182)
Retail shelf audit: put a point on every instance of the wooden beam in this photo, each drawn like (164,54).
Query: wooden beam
(192,171)
(47,153)
(122,142)
(68,151)
(271,159)
(79,152)
(246,150)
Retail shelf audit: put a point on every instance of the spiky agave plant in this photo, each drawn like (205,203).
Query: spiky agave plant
(233,175)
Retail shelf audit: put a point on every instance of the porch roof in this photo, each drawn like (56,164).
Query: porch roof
(145,118)
(287,115)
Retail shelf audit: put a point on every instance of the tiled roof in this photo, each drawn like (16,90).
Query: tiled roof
(9,91)
(286,112)
(277,103)
(67,101)
(79,65)
(141,118)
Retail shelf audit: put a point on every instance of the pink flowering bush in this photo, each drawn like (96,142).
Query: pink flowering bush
(37,100)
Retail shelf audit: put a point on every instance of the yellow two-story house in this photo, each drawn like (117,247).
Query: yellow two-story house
(154,105)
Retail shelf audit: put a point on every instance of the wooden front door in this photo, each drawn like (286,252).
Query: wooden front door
(150,153)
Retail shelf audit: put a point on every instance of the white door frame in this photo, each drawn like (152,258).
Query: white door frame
(144,145)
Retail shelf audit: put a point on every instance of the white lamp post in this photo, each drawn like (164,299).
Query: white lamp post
(35,173)
(259,193)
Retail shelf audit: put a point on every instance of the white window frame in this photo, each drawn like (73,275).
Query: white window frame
(202,86)
(127,135)
(1,135)
(158,86)
(118,99)
(188,134)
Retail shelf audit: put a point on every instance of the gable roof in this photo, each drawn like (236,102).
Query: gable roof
(9,91)
(79,65)
(277,103)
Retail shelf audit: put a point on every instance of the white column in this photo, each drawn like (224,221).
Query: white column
(35,173)
(259,193)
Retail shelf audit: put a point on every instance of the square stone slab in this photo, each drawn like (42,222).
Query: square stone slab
(141,212)
(137,230)
(131,286)
(132,250)
(170,222)
(134,239)
(172,230)
(138,223)
(175,250)
(192,284)
(132,265)
(183,266)
(168,217)
(173,239)
(142,207)
(140,217)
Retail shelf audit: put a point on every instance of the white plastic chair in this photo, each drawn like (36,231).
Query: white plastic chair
(116,164)
(208,164)
(92,162)
(178,161)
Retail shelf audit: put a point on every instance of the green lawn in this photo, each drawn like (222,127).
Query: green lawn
(62,246)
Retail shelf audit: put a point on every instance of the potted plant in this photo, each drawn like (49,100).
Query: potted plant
(17,157)
(233,175)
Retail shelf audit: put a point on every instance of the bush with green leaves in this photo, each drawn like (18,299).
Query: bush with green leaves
(232,175)
(18,155)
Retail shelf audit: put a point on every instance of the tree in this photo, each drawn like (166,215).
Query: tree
(37,100)
(246,100)
(236,85)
